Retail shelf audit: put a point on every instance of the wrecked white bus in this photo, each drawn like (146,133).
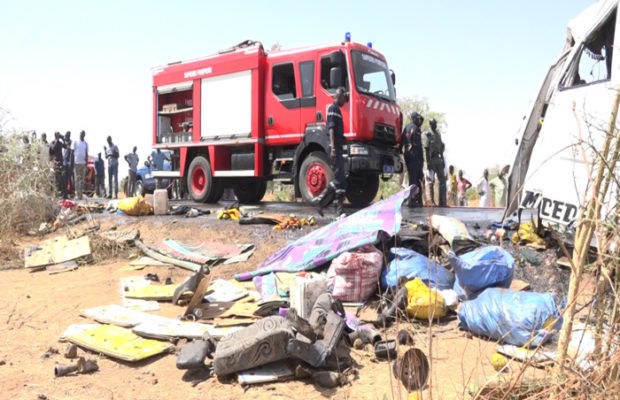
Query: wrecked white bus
(566,126)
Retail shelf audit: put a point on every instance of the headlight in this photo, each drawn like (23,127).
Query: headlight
(358,150)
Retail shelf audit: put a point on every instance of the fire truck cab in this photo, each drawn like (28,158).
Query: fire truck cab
(243,116)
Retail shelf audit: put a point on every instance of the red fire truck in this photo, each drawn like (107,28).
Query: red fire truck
(243,116)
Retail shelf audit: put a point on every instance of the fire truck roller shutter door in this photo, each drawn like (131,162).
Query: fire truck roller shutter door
(226,105)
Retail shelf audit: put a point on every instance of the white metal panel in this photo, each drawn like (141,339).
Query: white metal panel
(166,174)
(226,105)
(236,172)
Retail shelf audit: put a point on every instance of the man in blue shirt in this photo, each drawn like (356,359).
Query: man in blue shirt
(111,154)
(99,176)
(158,159)
(338,185)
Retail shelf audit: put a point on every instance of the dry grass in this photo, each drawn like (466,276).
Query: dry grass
(26,193)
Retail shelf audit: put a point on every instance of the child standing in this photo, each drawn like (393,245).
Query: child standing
(463,185)
(452,188)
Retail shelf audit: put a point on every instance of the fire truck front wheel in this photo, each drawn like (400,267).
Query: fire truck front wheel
(314,175)
(200,183)
(362,189)
(250,191)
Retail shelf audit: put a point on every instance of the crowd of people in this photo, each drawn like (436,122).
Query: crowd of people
(423,154)
(70,159)
(424,158)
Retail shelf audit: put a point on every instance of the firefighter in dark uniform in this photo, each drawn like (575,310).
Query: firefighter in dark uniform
(337,186)
(433,159)
(414,159)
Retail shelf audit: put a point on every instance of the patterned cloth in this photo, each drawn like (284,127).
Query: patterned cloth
(365,227)
(354,276)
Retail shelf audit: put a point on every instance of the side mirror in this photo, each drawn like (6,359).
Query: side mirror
(393,75)
(335,77)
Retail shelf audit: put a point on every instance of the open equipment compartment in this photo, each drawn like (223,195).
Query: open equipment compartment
(175,106)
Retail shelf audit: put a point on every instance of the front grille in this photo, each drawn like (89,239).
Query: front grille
(385,134)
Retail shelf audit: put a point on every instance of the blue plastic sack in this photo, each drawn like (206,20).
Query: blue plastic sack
(488,266)
(510,316)
(408,263)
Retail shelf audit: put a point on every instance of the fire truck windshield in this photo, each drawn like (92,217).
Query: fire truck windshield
(372,76)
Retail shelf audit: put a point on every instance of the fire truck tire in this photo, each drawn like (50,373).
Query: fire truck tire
(314,175)
(200,183)
(250,191)
(362,190)
(217,192)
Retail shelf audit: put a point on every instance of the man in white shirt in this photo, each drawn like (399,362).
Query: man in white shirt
(132,159)
(80,159)
(484,189)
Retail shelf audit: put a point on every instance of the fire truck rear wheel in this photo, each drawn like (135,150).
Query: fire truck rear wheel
(200,183)
(362,190)
(250,191)
(314,175)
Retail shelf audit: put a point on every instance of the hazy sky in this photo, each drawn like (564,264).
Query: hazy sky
(73,65)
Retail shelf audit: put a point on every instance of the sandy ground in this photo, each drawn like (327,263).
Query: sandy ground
(35,308)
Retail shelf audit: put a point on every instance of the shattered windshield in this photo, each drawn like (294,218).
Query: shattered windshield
(372,76)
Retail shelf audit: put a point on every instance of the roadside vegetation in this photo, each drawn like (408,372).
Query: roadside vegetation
(27,192)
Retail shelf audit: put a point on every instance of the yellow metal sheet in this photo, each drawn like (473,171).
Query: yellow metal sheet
(245,307)
(118,342)
(58,250)
(154,292)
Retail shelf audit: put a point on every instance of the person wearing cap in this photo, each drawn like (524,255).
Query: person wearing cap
(338,185)
(433,160)
(411,145)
